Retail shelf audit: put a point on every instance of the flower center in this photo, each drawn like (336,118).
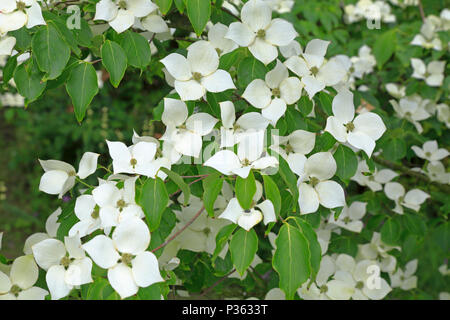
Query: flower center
(245,162)
(65,262)
(207,231)
(428,154)
(323,289)
(261,33)
(126,258)
(219,51)
(96,213)
(133,162)
(122,4)
(288,148)
(408,114)
(314,71)
(350,126)
(72,174)
(21,6)
(15,289)
(401,199)
(197,76)
(121,204)
(313,181)
(276,92)
(346,220)
(359,285)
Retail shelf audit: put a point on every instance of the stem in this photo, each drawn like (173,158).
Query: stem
(84,183)
(180,231)
(422,13)
(199,179)
(231,13)
(215,284)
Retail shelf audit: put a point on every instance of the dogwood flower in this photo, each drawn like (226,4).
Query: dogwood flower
(430,151)
(412,109)
(59,176)
(314,71)
(6,45)
(428,38)
(121,14)
(396,90)
(285,91)
(129,265)
(51,228)
(19,285)
(405,279)
(280,6)
(232,129)
(14,14)
(377,250)
(359,276)
(325,288)
(247,219)
(350,217)
(185,133)
(433,73)
(198,73)
(259,32)
(250,155)
(216,36)
(362,131)
(66,264)
(436,172)
(375,180)
(115,205)
(315,186)
(154,23)
(294,147)
(411,199)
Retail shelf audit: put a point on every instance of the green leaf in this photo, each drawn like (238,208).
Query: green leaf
(250,69)
(175,177)
(28,81)
(294,120)
(245,190)
(390,231)
(291,259)
(180,4)
(199,12)
(114,60)
(346,161)
(288,177)
(243,247)
(395,149)
(212,186)
(326,103)
(96,289)
(82,86)
(10,67)
(221,239)
(154,200)
(164,5)
(137,49)
(272,193)
(50,51)
(384,47)
(305,105)
(414,224)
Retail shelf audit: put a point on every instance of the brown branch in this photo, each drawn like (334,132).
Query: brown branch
(180,231)
(215,284)
(197,180)
(422,13)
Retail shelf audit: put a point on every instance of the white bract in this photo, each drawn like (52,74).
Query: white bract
(59,176)
(6,45)
(361,131)
(19,285)
(430,151)
(275,93)
(259,32)
(315,186)
(411,199)
(433,73)
(412,109)
(66,264)
(129,265)
(315,72)
(183,132)
(216,36)
(373,180)
(14,14)
(377,250)
(428,38)
(405,279)
(350,217)
(198,73)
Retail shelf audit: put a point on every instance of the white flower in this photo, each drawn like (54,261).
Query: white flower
(363,63)
(280,6)
(129,265)
(153,22)
(444,270)
(6,45)
(51,228)
(315,186)
(325,288)
(377,250)
(14,14)
(292,49)
(412,109)
(232,129)
(136,159)
(121,14)
(66,264)
(406,280)
(294,147)
(275,93)
(315,72)
(185,133)
(116,205)
(350,217)
(250,155)
(198,73)
(443,113)
(59,176)
(396,90)
(359,276)
(412,199)
(436,172)
(375,180)
(430,151)
(433,73)
(19,285)
(216,36)
(361,132)
(247,219)
(259,32)
(428,38)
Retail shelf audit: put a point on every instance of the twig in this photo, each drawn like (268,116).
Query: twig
(231,13)
(192,182)
(215,284)
(422,13)
(180,231)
